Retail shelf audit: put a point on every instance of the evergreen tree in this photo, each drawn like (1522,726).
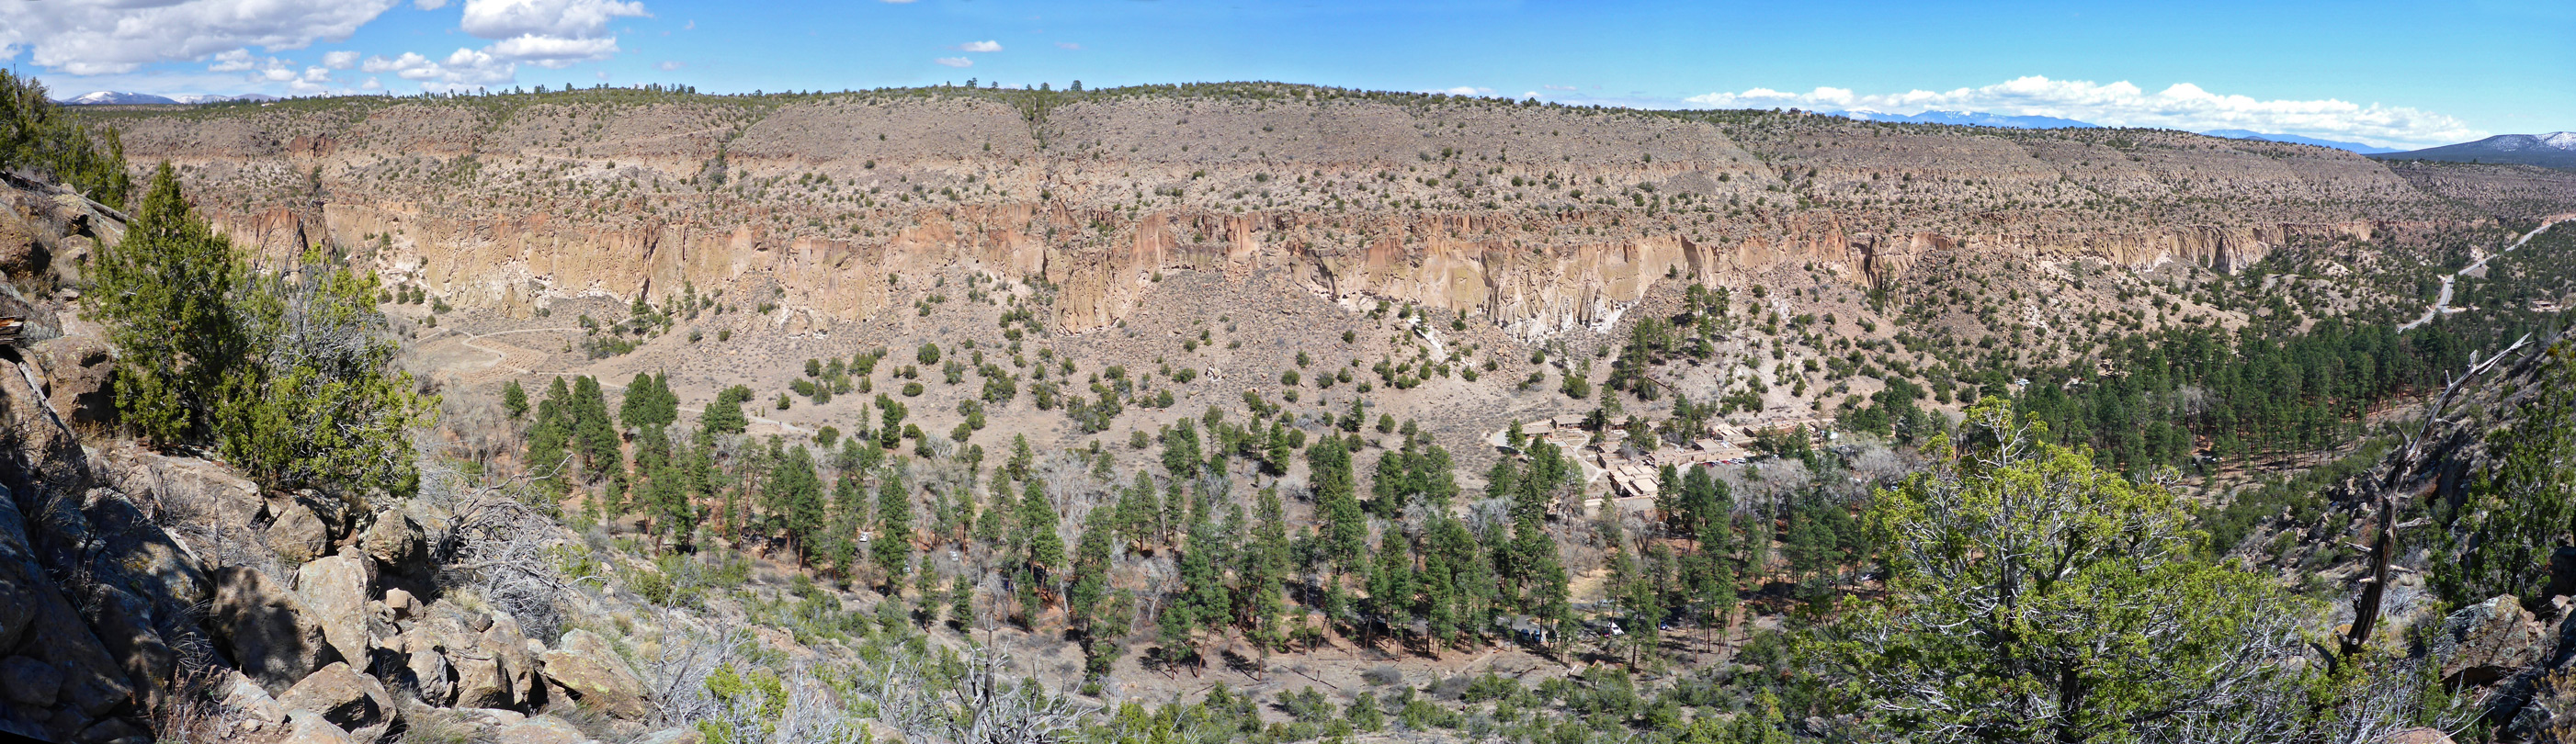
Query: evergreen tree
(593,433)
(164,293)
(796,496)
(1337,506)
(892,546)
(514,400)
(1092,557)
(1037,520)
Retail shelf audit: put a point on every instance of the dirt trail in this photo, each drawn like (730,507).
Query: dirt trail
(2443,304)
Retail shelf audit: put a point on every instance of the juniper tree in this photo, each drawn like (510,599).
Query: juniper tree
(2033,596)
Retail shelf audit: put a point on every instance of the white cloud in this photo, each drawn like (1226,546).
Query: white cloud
(553,34)
(464,69)
(94,38)
(552,51)
(1067,45)
(955,61)
(668,65)
(2122,104)
(1464,90)
(340,60)
(578,19)
(371,84)
(1559,87)
(979,46)
(233,61)
(429,4)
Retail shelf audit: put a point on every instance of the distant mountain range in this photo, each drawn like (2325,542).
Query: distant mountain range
(110,97)
(2296,139)
(1983,119)
(1967,118)
(2552,150)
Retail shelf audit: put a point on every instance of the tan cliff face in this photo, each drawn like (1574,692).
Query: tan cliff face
(1541,219)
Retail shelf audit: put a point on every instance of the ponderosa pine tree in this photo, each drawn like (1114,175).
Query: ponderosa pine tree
(891,548)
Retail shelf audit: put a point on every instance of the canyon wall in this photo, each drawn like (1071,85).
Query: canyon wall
(1540,218)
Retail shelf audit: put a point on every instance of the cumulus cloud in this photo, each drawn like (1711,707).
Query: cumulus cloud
(553,52)
(955,61)
(553,34)
(979,46)
(429,4)
(2123,104)
(578,19)
(1069,46)
(464,69)
(95,38)
(668,65)
(340,60)
(1464,90)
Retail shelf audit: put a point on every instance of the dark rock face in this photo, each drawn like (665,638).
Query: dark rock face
(40,625)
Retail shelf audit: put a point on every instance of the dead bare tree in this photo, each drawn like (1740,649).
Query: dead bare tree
(2383,532)
(501,545)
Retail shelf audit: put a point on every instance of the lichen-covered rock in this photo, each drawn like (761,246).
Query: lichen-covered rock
(266,629)
(541,730)
(298,534)
(508,645)
(395,541)
(343,696)
(431,676)
(80,375)
(2487,641)
(337,590)
(238,692)
(309,727)
(598,677)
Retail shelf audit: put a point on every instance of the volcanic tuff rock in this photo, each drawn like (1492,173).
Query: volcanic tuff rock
(1534,217)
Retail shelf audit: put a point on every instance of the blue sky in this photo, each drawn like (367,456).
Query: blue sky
(2405,74)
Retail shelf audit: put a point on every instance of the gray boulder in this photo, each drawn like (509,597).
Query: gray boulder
(309,727)
(266,629)
(397,544)
(541,730)
(336,589)
(298,535)
(2488,641)
(508,645)
(343,696)
(239,693)
(589,666)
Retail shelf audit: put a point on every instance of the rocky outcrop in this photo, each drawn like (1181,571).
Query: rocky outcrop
(2487,641)
(267,630)
(587,665)
(335,591)
(350,700)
